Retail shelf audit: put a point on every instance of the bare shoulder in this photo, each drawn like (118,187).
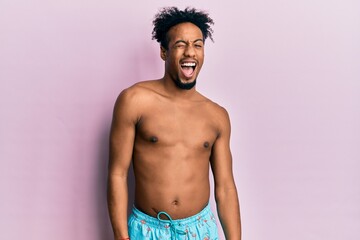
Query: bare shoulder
(218,111)
(132,99)
(137,92)
(219,114)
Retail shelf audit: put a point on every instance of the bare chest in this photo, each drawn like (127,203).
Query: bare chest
(169,125)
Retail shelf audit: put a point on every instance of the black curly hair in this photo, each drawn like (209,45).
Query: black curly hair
(171,16)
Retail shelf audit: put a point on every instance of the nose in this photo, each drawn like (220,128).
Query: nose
(189,51)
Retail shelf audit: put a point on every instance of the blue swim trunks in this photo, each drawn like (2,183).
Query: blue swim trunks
(201,226)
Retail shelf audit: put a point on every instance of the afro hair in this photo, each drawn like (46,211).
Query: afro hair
(171,16)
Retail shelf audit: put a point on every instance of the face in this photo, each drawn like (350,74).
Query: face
(185,54)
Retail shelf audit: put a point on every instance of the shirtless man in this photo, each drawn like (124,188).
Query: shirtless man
(172,134)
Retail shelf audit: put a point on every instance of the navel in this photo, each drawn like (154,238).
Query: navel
(153,139)
(175,202)
(206,144)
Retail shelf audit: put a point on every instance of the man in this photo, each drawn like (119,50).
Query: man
(172,134)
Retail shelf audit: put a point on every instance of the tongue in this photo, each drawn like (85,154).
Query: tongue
(187,71)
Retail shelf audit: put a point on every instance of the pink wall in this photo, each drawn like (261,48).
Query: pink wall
(287,71)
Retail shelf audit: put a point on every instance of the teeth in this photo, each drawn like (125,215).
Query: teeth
(188,64)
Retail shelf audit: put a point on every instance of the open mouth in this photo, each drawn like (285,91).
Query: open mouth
(188,69)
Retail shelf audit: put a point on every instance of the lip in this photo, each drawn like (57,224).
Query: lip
(188,61)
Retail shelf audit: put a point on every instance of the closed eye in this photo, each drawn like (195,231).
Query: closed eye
(180,45)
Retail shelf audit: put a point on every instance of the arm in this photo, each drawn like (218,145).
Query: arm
(121,147)
(225,190)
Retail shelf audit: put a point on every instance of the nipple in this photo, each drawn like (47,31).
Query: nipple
(153,139)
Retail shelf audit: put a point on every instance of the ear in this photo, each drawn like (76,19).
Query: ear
(163,53)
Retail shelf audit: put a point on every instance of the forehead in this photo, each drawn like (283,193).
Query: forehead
(185,31)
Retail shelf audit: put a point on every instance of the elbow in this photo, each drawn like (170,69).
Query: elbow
(224,193)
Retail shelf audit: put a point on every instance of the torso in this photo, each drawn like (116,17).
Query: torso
(172,149)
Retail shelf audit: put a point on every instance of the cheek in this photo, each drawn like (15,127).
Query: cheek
(201,58)
(200,54)
(175,58)
(171,63)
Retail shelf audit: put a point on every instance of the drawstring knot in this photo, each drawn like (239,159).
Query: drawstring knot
(171,223)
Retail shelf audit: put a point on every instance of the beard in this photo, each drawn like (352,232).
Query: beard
(184,86)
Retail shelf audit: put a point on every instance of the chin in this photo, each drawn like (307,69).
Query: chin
(185,86)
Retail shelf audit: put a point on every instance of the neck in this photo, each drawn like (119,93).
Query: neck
(172,89)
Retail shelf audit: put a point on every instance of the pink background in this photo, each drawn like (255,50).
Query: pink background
(287,71)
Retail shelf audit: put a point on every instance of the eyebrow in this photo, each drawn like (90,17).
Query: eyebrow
(182,41)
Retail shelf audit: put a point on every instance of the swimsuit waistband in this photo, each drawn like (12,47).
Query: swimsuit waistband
(149,220)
